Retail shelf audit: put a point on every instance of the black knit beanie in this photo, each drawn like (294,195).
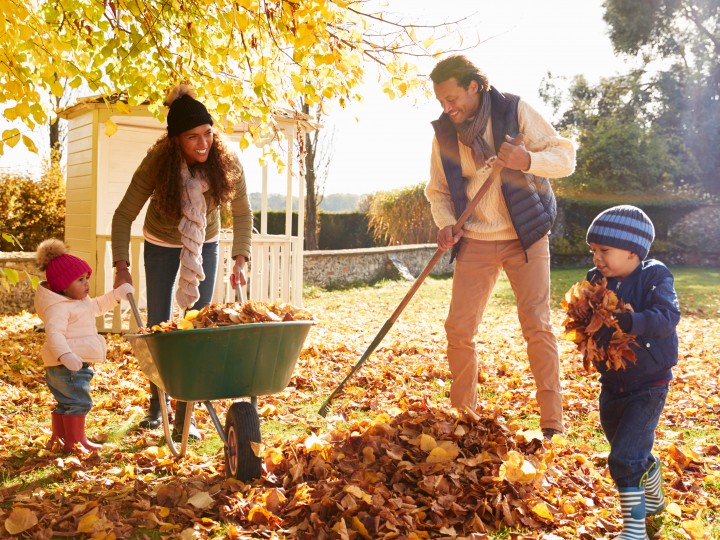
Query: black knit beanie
(185,113)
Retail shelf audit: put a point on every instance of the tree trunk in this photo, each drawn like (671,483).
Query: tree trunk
(312,224)
(311,210)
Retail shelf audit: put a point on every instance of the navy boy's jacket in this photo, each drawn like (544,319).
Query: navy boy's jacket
(651,293)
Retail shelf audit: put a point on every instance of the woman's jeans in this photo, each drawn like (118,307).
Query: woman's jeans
(161,270)
(629,420)
(70,388)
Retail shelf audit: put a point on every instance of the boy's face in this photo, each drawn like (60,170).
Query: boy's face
(79,288)
(613,262)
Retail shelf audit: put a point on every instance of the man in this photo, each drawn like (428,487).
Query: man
(507,230)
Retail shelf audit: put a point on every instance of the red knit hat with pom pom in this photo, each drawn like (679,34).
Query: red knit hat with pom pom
(61,268)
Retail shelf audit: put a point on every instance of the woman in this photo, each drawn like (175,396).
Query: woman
(188,175)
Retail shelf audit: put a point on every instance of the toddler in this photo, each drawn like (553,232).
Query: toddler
(73,343)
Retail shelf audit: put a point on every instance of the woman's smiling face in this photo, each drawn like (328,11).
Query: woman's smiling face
(195,143)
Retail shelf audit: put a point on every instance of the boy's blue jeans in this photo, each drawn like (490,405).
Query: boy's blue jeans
(629,420)
(70,388)
(161,269)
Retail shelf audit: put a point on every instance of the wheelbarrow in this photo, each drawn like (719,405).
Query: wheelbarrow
(228,362)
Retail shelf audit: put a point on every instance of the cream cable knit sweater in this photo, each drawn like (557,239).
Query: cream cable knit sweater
(551,156)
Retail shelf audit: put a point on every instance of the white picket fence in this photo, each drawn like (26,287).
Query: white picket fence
(275,273)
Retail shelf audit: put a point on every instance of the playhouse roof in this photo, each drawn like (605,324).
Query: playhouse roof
(85,104)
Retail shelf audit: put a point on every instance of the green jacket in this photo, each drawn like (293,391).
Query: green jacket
(141,189)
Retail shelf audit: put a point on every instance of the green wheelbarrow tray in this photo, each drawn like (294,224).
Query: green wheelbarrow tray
(225,362)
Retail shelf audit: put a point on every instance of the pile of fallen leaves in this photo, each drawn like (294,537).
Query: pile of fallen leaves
(589,307)
(214,315)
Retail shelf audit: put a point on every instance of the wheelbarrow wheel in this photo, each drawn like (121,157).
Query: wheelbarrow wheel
(242,427)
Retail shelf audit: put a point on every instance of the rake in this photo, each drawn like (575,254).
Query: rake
(325,408)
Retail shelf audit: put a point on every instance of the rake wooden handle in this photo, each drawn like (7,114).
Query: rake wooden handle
(325,407)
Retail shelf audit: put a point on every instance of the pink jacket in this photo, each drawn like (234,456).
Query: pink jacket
(70,325)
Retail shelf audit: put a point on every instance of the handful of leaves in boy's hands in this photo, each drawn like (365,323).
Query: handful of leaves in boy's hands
(592,324)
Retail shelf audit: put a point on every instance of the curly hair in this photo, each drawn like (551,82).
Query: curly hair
(218,169)
(462,69)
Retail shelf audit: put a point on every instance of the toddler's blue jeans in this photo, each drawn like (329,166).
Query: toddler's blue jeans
(629,420)
(70,388)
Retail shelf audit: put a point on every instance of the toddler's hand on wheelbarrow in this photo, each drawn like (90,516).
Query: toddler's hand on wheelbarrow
(71,361)
(121,293)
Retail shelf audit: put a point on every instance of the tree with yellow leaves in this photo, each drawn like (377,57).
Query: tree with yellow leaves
(247,58)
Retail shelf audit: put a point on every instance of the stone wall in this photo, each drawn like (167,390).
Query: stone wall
(346,266)
(18,297)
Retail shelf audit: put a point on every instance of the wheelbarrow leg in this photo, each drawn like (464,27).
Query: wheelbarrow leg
(216,421)
(168,430)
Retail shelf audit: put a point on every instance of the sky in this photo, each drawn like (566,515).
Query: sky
(382,144)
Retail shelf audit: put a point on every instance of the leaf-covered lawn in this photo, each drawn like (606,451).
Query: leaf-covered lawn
(391,460)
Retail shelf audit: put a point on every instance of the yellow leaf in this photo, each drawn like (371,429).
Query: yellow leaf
(360,528)
(427,443)
(674,509)
(694,528)
(259,78)
(368,455)
(358,493)
(19,520)
(542,511)
(201,500)
(438,455)
(191,314)
(87,523)
(123,108)
(110,128)
(29,143)
(449,447)
(313,442)
(516,469)
(182,324)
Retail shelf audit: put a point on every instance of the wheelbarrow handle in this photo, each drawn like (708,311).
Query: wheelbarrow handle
(239,293)
(135,310)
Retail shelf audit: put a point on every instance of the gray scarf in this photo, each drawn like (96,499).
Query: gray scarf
(472,130)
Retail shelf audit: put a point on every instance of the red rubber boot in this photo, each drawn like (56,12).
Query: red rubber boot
(75,433)
(58,430)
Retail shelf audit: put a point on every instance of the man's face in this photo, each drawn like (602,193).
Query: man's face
(457,102)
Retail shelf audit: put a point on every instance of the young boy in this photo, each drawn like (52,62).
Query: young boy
(632,400)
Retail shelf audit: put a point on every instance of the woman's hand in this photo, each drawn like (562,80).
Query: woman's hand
(122,274)
(238,274)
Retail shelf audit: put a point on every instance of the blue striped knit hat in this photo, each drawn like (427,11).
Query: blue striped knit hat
(623,227)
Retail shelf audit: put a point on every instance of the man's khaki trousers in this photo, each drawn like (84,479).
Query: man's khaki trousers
(477,268)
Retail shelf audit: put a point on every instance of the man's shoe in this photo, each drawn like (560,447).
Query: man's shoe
(549,432)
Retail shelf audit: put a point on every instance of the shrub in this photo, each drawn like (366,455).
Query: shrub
(32,210)
(402,216)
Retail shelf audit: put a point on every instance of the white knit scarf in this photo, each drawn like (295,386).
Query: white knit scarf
(192,229)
